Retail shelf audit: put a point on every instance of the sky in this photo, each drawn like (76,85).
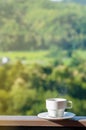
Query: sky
(56,0)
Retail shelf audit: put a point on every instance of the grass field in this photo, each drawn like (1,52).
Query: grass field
(41,57)
(28,57)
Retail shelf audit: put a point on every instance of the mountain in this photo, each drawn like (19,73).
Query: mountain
(78,1)
(83,2)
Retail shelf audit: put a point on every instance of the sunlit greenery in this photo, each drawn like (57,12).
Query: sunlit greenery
(46,46)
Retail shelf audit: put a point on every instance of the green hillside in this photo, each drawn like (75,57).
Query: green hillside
(34,25)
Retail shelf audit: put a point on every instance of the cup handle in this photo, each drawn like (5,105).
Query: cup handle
(69,104)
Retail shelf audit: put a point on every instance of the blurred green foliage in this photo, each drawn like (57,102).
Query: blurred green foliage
(34,25)
(60,30)
(25,87)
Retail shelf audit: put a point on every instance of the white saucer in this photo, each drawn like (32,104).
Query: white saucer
(67,115)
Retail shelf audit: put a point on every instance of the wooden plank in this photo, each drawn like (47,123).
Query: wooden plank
(79,121)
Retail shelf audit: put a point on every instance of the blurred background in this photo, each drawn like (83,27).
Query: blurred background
(42,54)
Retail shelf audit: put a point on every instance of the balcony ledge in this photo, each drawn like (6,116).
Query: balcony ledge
(78,121)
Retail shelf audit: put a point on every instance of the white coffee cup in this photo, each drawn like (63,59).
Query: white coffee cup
(57,106)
